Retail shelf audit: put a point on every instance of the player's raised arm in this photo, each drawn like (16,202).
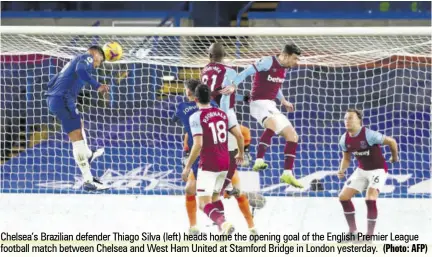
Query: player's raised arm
(346,158)
(86,64)
(82,72)
(229,77)
(262,64)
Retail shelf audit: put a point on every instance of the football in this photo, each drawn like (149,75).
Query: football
(113,51)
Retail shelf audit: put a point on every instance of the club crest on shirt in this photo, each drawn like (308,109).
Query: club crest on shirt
(274,69)
(363,145)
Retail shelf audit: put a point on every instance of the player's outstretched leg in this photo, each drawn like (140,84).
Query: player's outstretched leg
(264,143)
(291,138)
(349,210)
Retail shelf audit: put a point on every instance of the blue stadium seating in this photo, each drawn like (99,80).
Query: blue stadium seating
(352,6)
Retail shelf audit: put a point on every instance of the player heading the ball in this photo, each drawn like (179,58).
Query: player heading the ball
(371,172)
(63,90)
(210,140)
(270,73)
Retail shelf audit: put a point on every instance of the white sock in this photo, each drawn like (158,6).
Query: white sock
(80,153)
(288,172)
(86,143)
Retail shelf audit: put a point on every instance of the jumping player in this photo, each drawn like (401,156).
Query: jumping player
(371,173)
(270,73)
(63,90)
(217,76)
(210,128)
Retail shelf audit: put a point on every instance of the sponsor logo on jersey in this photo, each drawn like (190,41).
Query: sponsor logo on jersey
(362,153)
(275,80)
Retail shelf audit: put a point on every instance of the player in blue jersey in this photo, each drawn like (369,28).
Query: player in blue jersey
(63,90)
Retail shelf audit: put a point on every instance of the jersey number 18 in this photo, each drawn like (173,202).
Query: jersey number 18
(219,132)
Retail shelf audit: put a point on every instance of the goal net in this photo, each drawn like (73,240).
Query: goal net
(386,72)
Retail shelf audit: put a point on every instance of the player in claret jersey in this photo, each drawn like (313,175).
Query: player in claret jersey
(183,112)
(371,173)
(210,128)
(266,86)
(217,76)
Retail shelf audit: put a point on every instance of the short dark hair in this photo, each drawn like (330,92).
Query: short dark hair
(291,49)
(216,51)
(99,49)
(358,112)
(192,84)
(202,92)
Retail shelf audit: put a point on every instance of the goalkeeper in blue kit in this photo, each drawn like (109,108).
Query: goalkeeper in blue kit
(63,90)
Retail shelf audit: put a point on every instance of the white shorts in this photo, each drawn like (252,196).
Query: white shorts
(232,121)
(262,109)
(209,183)
(361,179)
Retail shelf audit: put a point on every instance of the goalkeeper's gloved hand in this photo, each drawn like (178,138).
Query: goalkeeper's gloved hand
(247,157)
(246,98)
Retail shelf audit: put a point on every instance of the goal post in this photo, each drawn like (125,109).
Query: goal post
(385,71)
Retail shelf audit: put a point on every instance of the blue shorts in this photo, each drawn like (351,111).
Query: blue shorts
(65,111)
